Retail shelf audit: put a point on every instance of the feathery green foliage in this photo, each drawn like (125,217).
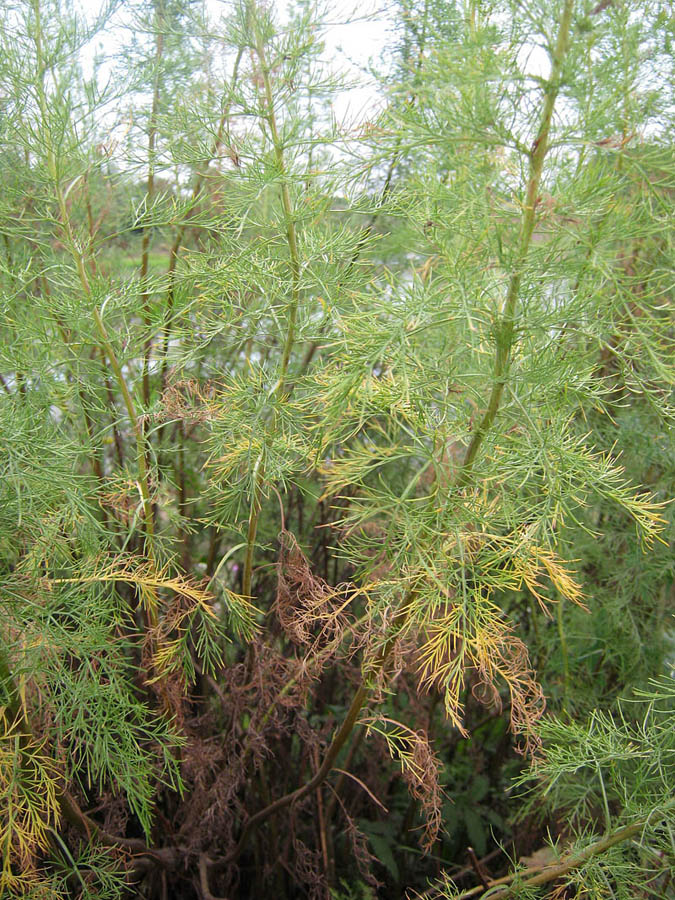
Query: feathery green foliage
(329,447)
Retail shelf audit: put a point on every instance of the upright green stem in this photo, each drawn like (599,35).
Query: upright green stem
(78,258)
(292,240)
(251,531)
(565,658)
(135,424)
(88,422)
(289,221)
(505,329)
(174,252)
(150,190)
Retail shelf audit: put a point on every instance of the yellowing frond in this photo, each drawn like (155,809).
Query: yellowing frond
(481,641)
(28,805)
(191,603)
(531,562)
(562,578)
(146,578)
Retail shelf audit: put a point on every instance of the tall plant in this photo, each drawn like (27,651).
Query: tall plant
(311,454)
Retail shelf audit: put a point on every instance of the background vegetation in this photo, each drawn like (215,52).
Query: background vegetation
(336,457)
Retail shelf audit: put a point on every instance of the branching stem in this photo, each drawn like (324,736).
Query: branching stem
(517,881)
(505,328)
(78,258)
(292,240)
(174,252)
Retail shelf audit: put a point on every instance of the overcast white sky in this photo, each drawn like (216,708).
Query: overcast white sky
(356,33)
(365,34)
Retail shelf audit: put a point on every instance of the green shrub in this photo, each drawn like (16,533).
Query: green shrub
(331,452)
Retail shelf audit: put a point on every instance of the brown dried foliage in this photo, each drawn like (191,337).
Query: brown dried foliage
(188,401)
(420,768)
(309,609)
